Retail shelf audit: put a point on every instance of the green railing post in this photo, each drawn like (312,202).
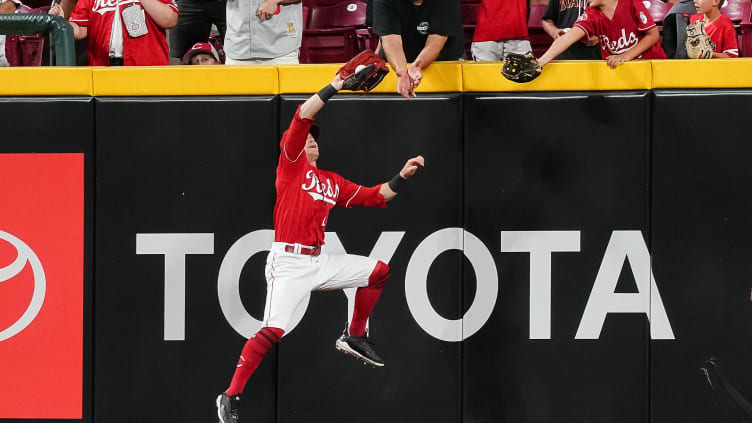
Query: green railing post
(61,33)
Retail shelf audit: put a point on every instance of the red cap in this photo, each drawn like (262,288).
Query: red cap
(200,48)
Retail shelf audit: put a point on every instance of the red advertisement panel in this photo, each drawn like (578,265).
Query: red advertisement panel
(41,285)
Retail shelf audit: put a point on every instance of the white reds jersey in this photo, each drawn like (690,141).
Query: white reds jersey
(305,194)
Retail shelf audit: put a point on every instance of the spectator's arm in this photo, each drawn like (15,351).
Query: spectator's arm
(651,37)
(561,43)
(68,6)
(269,7)
(79,32)
(551,29)
(720,56)
(162,13)
(392,45)
(430,52)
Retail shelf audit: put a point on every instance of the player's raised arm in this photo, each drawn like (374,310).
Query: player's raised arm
(390,189)
(314,104)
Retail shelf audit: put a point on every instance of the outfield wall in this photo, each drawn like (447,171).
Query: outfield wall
(573,251)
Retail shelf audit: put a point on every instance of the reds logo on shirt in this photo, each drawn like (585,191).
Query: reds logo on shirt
(582,17)
(643,18)
(323,191)
(621,44)
(104,6)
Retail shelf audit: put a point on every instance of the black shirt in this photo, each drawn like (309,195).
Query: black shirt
(564,13)
(416,23)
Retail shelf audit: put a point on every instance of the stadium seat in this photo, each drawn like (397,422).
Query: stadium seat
(657,10)
(27,50)
(739,13)
(469,20)
(330,35)
(539,40)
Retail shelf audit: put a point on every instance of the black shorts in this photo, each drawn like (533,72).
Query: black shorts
(194,24)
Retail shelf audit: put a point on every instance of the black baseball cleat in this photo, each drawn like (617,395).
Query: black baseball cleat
(228,408)
(359,347)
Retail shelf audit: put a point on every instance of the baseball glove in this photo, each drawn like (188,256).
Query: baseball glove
(520,68)
(699,45)
(363,72)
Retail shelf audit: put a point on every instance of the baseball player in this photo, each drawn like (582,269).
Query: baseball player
(296,264)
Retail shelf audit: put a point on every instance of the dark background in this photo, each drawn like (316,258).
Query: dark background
(671,164)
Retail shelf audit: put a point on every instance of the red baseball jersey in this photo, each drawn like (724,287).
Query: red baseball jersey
(305,193)
(97,15)
(722,33)
(501,19)
(622,32)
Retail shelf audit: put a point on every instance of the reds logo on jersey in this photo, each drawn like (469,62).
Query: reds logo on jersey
(104,6)
(582,17)
(321,191)
(621,44)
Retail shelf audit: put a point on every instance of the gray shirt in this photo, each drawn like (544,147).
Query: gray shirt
(249,37)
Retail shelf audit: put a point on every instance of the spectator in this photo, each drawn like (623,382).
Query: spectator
(6,7)
(718,26)
(195,19)
(263,32)
(501,29)
(559,17)
(417,31)
(624,28)
(201,54)
(130,33)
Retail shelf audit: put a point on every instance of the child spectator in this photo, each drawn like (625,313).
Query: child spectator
(195,20)
(501,29)
(718,26)
(559,17)
(201,54)
(123,33)
(8,7)
(624,28)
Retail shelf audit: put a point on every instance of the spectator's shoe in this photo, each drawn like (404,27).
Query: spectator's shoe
(228,408)
(359,347)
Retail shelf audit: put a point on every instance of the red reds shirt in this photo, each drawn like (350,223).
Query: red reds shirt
(305,194)
(501,19)
(722,32)
(623,31)
(97,15)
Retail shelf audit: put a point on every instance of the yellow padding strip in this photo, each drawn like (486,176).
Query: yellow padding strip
(29,81)
(710,73)
(439,77)
(185,80)
(570,75)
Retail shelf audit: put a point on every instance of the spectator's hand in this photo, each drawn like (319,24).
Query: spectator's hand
(616,60)
(592,41)
(416,75)
(57,10)
(267,9)
(560,32)
(8,7)
(405,85)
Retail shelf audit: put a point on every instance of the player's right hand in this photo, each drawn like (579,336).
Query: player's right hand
(412,166)
(405,85)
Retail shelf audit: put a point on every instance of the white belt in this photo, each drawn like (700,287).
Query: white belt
(283,247)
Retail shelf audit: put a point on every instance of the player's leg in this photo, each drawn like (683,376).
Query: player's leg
(340,271)
(288,283)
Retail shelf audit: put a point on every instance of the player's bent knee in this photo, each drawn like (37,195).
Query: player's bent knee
(379,275)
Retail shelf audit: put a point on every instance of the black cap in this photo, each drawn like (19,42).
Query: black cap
(315,131)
